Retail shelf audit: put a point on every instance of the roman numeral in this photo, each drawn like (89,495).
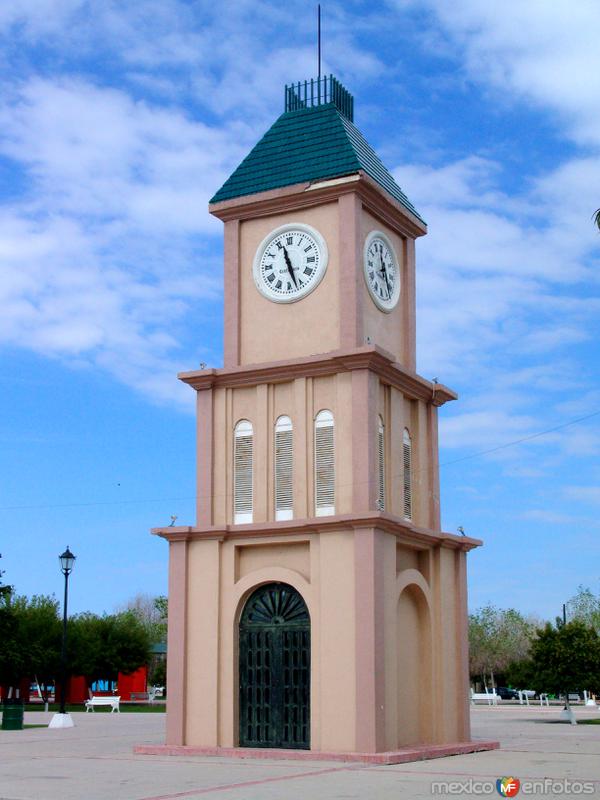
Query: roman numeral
(279,245)
(278,285)
(271,278)
(309,259)
(306,249)
(289,239)
(308,271)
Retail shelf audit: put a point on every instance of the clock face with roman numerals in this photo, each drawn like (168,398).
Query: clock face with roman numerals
(290,262)
(382,273)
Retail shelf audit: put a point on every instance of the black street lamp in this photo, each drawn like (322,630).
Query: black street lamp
(67,559)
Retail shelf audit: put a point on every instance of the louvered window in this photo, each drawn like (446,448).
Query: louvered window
(242,472)
(284,485)
(324,465)
(380,466)
(407,464)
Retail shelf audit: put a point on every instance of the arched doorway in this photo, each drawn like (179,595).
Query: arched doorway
(275,669)
(415,712)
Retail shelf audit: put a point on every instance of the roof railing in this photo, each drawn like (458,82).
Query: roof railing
(318,92)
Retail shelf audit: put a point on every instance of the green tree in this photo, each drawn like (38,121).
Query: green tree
(585,607)
(152,613)
(567,658)
(102,646)
(521,673)
(11,653)
(4,590)
(40,637)
(31,635)
(158,673)
(564,659)
(497,638)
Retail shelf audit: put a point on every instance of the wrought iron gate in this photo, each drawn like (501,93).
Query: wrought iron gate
(275,669)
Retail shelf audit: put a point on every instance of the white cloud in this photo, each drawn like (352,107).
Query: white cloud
(483,429)
(507,289)
(94,151)
(103,256)
(545,53)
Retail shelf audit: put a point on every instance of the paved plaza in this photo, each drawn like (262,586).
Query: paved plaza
(95,761)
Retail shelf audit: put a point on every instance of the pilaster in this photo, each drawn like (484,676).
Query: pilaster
(205,462)
(177,642)
(232,310)
(351,322)
(370,640)
(364,440)
(408,302)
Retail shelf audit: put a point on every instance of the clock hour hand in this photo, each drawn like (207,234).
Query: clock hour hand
(289,267)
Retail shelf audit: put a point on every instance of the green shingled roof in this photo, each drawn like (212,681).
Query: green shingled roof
(309,144)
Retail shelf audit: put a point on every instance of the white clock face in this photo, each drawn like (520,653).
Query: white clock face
(290,262)
(382,273)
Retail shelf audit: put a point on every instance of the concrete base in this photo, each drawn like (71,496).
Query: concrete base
(61,721)
(418,753)
(568,716)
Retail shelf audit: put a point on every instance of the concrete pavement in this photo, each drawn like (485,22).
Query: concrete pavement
(95,761)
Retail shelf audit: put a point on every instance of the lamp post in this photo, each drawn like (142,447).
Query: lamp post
(62,719)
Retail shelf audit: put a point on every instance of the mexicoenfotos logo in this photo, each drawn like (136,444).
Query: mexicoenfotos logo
(508,786)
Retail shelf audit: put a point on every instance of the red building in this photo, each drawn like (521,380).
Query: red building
(137,681)
(77,691)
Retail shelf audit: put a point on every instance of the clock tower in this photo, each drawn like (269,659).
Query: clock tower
(316,604)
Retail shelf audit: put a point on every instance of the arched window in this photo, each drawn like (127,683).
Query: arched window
(324,465)
(284,484)
(407,464)
(242,471)
(380,465)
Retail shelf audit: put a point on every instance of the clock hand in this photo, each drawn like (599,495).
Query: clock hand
(289,267)
(384,271)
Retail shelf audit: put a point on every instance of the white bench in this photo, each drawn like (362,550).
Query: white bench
(150,696)
(103,701)
(490,697)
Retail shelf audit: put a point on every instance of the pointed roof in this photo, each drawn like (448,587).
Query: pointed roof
(309,144)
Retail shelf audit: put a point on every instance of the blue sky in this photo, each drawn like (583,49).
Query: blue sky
(119,120)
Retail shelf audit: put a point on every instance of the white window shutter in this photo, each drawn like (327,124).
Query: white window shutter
(324,464)
(407,459)
(381,466)
(242,472)
(284,481)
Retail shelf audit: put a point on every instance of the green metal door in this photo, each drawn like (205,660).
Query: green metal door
(275,669)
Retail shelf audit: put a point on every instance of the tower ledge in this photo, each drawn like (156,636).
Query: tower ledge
(408,534)
(311,193)
(368,357)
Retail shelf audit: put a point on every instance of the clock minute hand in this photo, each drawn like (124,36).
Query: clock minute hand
(289,267)
(384,271)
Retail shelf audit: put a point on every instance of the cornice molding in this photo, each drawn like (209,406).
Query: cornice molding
(405,531)
(302,195)
(369,357)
